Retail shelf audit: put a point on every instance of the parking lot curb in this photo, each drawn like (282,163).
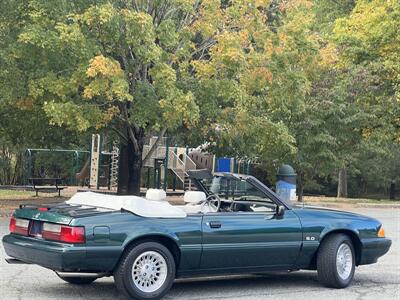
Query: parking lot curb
(343,205)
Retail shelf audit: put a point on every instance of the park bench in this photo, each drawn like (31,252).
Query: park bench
(46,184)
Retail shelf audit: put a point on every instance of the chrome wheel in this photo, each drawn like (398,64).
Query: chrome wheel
(149,271)
(344,261)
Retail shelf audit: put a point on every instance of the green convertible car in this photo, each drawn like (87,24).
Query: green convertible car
(232,224)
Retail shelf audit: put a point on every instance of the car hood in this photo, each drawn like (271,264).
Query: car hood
(332,212)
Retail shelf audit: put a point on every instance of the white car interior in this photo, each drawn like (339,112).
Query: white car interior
(156,195)
(195,201)
(240,197)
(155,206)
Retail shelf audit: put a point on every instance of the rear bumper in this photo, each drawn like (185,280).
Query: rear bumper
(374,248)
(51,255)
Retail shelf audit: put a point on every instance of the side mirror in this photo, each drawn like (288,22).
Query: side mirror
(280,212)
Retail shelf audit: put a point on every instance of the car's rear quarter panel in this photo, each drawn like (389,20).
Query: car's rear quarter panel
(108,235)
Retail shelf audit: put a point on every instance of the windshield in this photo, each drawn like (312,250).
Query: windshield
(234,189)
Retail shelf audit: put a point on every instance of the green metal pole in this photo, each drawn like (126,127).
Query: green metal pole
(75,159)
(166,163)
(148,177)
(155,174)
(76,167)
(174,178)
(28,172)
(98,169)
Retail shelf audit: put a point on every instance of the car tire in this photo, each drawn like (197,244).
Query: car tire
(336,261)
(77,280)
(145,271)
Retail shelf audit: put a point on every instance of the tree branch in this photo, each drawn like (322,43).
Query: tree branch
(204,46)
(119,133)
(135,5)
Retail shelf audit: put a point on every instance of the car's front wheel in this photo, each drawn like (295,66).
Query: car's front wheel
(146,271)
(336,261)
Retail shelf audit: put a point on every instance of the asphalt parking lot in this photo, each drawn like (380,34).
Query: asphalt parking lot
(378,281)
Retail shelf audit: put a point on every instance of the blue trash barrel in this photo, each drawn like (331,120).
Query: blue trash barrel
(286,184)
(224,164)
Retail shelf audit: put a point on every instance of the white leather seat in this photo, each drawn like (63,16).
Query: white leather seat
(194,197)
(156,195)
(192,200)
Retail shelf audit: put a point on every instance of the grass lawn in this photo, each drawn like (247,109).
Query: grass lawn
(13,194)
(322,199)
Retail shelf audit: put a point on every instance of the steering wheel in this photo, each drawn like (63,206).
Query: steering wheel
(211,204)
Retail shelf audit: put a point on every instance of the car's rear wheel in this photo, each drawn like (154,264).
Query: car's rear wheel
(77,280)
(336,261)
(146,271)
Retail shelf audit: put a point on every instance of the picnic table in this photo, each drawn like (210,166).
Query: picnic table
(41,184)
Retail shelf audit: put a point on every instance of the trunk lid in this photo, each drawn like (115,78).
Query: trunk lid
(61,213)
(54,216)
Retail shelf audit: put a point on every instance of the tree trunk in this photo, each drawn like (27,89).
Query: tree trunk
(17,169)
(392,191)
(342,183)
(130,166)
(300,181)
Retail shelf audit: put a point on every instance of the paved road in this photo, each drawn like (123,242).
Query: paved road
(378,281)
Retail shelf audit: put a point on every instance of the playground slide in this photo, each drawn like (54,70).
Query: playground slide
(84,173)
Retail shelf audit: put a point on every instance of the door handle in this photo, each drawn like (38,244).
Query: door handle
(214,224)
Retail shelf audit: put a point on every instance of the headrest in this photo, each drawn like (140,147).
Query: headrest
(156,195)
(194,197)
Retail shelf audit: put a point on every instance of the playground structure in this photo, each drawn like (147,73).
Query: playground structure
(55,163)
(180,160)
(73,167)
(160,161)
(166,166)
(163,159)
(101,169)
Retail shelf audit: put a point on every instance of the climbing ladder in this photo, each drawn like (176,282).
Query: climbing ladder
(114,166)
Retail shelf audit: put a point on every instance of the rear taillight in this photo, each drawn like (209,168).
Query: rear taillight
(19,226)
(12,225)
(63,233)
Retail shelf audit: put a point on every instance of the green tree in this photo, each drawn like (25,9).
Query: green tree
(368,45)
(257,78)
(351,110)
(368,38)
(132,66)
